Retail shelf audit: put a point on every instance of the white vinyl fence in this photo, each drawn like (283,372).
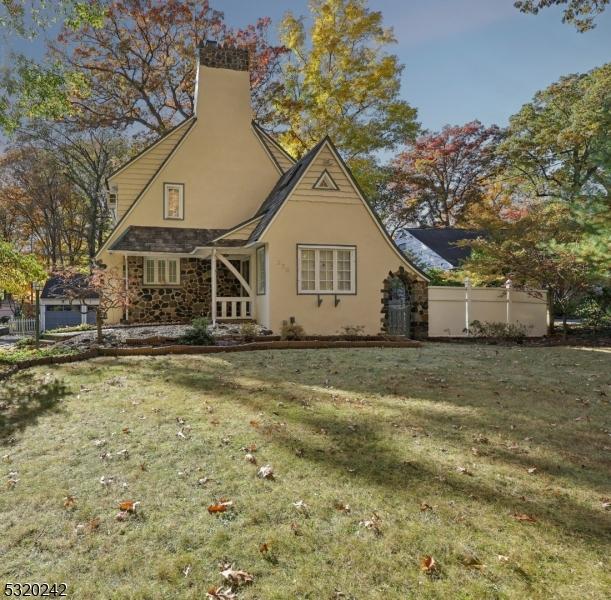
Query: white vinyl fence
(22,326)
(453,309)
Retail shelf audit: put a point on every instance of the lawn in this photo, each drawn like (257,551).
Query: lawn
(492,460)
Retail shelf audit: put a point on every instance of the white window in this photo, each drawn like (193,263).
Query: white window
(326,269)
(261,271)
(161,271)
(173,200)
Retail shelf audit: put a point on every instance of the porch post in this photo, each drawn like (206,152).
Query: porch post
(213,282)
(126,315)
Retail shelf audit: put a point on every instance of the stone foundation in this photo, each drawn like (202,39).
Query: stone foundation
(419,302)
(177,303)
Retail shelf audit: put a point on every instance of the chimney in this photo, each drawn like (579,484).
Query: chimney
(212,54)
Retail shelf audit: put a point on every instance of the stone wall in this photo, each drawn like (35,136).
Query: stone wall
(177,303)
(216,56)
(419,302)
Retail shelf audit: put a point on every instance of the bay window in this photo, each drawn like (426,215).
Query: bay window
(161,271)
(326,269)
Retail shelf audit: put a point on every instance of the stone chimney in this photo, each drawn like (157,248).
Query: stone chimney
(212,54)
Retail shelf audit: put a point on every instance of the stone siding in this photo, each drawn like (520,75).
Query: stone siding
(177,303)
(419,303)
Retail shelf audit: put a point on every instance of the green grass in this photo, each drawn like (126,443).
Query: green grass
(380,430)
(17,355)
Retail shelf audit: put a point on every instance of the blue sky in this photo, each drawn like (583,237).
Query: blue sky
(464,59)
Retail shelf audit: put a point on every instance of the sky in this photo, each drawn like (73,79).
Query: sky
(464,59)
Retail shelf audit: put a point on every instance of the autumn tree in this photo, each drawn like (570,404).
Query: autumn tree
(32,89)
(539,249)
(139,65)
(50,211)
(580,13)
(18,270)
(105,285)
(86,159)
(340,80)
(443,176)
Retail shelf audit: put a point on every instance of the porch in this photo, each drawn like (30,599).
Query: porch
(213,282)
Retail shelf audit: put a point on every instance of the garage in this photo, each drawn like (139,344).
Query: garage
(58,310)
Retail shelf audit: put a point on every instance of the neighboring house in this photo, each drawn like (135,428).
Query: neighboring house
(436,248)
(216,218)
(57,311)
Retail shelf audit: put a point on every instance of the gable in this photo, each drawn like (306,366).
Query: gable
(279,156)
(132,177)
(325,182)
(343,210)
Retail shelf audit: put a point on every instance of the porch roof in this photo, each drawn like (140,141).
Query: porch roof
(182,240)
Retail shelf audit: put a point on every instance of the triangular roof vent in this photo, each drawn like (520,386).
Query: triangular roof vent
(325,182)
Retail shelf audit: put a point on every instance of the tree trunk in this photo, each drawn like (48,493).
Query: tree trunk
(565,327)
(98,322)
(550,309)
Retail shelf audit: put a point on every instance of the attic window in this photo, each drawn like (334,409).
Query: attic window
(173,200)
(325,182)
(112,204)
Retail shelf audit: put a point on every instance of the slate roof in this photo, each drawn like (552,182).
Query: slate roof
(182,240)
(443,241)
(281,191)
(55,287)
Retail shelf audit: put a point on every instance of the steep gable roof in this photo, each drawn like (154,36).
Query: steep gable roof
(443,241)
(282,190)
(280,157)
(288,182)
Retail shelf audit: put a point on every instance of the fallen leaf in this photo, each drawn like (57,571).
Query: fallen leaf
(99,443)
(464,471)
(264,548)
(374,523)
(428,564)
(186,570)
(532,470)
(302,507)
(234,577)
(345,508)
(254,423)
(69,502)
(296,529)
(424,506)
(220,507)
(266,472)
(126,430)
(129,506)
(220,594)
(472,562)
(123,453)
(251,448)
(250,458)
(524,517)
(503,558)
(94,524)
(606,503)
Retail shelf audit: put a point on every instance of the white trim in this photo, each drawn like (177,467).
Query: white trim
(335,249)
(145,189)
(326,177)
(166,262)
(63,301)
(181,201)
(267,151)
(380,228)
(213,285)
(235,272)
(263,263)
(274,143)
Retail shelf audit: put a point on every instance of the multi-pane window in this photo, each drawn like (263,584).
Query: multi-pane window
(261,271)
(161,271)
(173,201)
(326,270)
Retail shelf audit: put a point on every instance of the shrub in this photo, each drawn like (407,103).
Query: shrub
(248,331)
(70,328)
(353,330)
(291,331)
(594,315)
(498,331)
(25,342)
(198,334)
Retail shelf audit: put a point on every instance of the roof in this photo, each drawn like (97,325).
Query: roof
(443,241)
(282,190)
(170,239)
(56,287)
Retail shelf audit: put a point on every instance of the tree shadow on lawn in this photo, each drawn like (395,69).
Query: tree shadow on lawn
(363,447)
(24,399)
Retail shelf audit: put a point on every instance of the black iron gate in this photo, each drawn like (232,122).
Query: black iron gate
(398,308)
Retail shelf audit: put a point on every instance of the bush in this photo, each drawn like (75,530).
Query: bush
(28,342)
(198,334)
(498,331)
(291,331)
(248,331)
(71,328)
(593,314)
